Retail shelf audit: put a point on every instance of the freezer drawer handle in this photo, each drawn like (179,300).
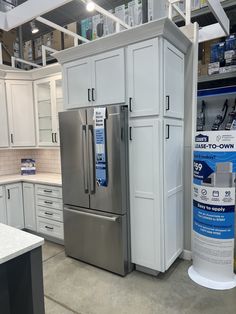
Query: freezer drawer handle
(108,218)
(50,228)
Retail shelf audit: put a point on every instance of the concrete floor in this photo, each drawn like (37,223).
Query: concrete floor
(71,286)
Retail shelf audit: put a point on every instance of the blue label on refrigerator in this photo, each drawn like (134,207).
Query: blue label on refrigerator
(100,146)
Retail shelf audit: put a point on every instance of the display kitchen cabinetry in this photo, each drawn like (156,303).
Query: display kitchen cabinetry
(4,138)
(98,80)
(143,78)
(173,81)
(20,104)
(3,210)
(29,206)
(48,102)
(14,205)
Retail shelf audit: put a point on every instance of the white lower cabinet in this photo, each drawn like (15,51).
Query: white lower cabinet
(144,197)
(29,206)
(156,165)
(14,206)
(3,210)
(49,211)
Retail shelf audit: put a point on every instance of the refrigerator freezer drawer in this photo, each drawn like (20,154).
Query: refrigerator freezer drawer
(97,239)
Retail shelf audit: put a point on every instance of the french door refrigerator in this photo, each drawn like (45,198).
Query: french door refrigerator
(94,159)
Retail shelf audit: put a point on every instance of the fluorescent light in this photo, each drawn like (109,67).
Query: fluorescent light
(34,28)
(90,6)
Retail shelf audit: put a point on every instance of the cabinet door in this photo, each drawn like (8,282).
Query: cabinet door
(3,211)
(21,113)
(15,212)
(29,206)
(143,78)
(144,194)
(173,189)
(43,104)
(57,107)
(3,117)
(108,78)
(77,84)
(173,82)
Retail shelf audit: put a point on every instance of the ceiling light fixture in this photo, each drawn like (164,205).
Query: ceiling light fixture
(90,6)
(34,28)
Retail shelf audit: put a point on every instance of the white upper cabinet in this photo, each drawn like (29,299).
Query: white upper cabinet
(4,137)
(14,202)
(108,78)
(48,102)
(143,78)
(98,80)
(173,82)
(20,104)
(77,84)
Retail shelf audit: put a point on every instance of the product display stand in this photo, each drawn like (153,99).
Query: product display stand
(214,209)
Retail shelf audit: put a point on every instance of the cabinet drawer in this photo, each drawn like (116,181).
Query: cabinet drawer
(49,202)
(49,213)
(47,190)
(50,227)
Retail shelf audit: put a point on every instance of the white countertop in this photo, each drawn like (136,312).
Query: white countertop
(14,242)
(40,178)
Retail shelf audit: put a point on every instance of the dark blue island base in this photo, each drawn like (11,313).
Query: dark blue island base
(21,284)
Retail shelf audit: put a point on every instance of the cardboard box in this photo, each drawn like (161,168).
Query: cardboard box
(28,50)
(38,47)
(53,40)
(69,40)
(227,69)
(8,40)
(108,26)
(87,28)
(213,68)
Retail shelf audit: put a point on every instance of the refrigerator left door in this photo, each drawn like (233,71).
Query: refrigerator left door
(73,138)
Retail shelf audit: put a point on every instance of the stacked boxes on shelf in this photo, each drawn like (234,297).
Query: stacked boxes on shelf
(8,40)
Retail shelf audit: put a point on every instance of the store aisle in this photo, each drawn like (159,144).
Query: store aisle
(74,287)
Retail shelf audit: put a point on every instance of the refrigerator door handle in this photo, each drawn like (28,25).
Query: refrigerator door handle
(84,152)
(108,218)
(91,159)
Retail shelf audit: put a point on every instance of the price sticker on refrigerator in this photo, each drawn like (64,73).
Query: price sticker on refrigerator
(100,146)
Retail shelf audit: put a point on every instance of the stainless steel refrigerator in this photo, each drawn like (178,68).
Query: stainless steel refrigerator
(94,159)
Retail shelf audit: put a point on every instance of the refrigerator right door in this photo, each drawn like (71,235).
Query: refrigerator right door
(73,139)
(107,147)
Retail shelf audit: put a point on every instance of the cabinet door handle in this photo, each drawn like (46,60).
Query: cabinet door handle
(89,94)
(50,228)
(167,131)
(167,102)
(53,137)
(93,94)
(12,139)
(8,194)
(130,104)
(130,133)
(48,202)
(47,213)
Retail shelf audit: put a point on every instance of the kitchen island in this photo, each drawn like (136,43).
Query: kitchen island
(21,276)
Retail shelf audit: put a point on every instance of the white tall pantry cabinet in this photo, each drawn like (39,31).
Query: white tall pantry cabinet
(154,65)
(3,117)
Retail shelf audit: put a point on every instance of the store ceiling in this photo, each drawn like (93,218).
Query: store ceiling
(70,12)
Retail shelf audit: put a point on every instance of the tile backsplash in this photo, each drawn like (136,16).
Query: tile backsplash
(47,160)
